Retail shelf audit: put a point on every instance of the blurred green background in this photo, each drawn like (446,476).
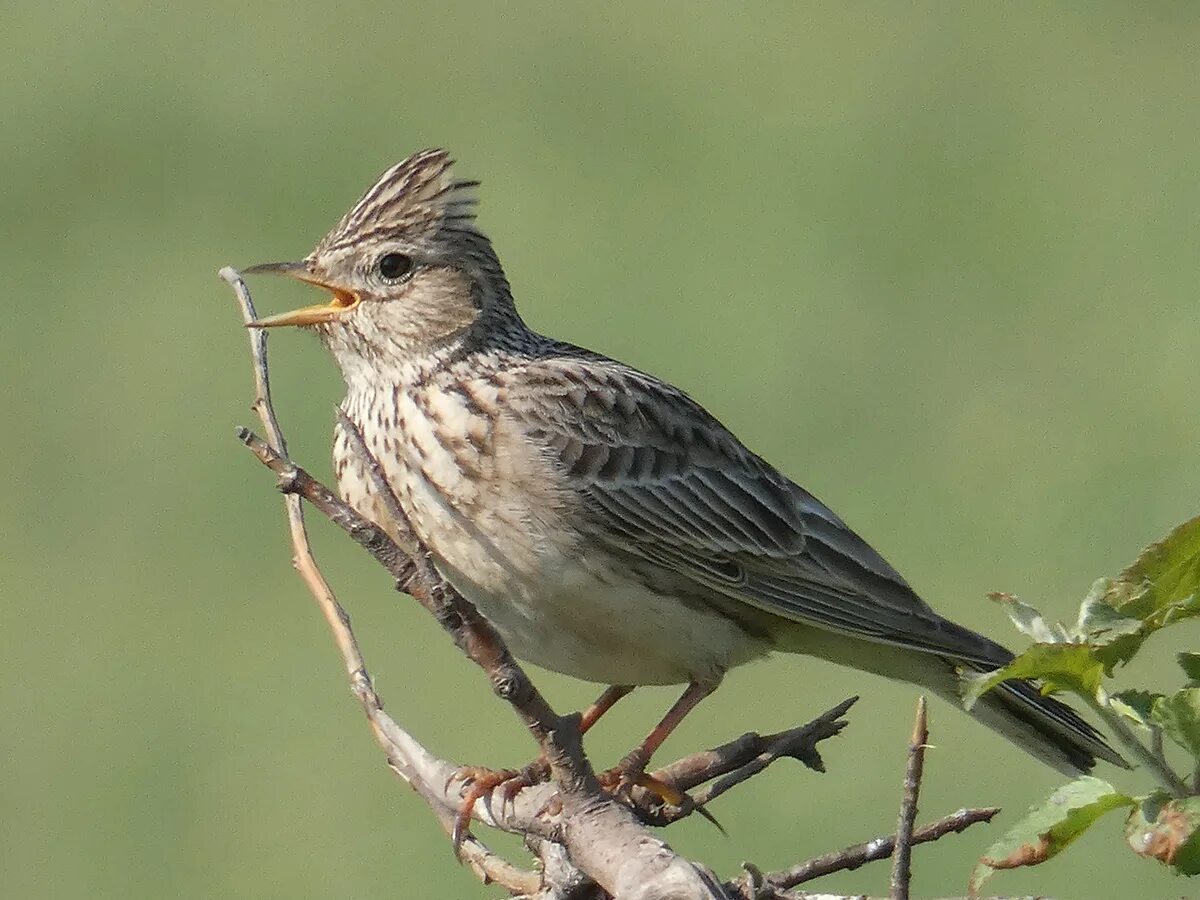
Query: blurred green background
(938,265)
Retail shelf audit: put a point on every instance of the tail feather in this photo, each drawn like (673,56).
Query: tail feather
(1044,727)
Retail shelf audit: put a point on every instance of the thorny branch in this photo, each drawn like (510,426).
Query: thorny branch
(404,754)
(589,847)
(875,849)
(902,861)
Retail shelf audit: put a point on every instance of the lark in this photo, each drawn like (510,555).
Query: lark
(607,525)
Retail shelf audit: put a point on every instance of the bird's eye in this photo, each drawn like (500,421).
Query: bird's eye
(395,265)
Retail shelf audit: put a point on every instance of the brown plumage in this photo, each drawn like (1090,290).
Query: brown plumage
(607,525)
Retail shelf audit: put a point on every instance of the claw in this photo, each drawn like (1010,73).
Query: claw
(534,773)
(702,811)
(479,782)
(668,793)
(626,774)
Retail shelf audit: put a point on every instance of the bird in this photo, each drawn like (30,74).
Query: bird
(606,524)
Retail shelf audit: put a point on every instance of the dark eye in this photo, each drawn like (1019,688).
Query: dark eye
(395,265)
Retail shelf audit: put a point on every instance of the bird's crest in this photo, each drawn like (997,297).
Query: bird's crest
(415,197)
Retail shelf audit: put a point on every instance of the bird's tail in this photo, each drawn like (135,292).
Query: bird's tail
(1042,726)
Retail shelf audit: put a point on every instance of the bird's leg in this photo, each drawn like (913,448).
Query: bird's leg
(632,769)
(482,781)
(636,760)
(602,704)
(539,770)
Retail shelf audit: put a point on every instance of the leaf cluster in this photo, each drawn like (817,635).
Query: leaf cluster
(1161,588)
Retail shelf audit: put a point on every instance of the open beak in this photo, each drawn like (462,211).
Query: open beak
(341,301)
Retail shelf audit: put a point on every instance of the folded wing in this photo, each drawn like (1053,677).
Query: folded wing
(666,482)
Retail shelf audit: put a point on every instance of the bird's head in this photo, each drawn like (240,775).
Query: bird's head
(406,269)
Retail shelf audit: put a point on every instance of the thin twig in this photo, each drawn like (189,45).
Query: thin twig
(879,848)
(1162,770)
(738,760)
(482,861)
(334,614)
(902,860)
(1159,753)
(797,743)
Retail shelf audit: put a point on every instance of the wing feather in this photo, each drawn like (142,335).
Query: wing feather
(665,482)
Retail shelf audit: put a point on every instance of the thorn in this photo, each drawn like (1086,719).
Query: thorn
(703,811)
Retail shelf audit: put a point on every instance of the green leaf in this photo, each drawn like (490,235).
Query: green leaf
(1179,716)
(1099,622)
(1049,827)
(1161,587)
(1167,830)
(1029,621)
(1166,572)
(1190,663)
(1073,667)
(1136,706)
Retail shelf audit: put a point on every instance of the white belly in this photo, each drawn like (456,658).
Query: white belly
(590,622)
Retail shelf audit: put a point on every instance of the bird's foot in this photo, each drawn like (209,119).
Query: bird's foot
(478,782)
(630,772)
